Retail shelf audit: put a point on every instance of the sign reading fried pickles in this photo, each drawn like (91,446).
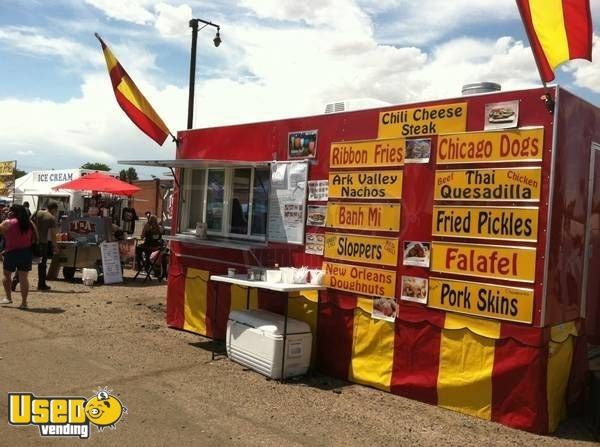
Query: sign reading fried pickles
(360,280)
(366,249)
(423,121)
(365,185)
(359,216)
(485,261)
(509,224)
(367,153)
(513,184)
(486,147)
(482,300)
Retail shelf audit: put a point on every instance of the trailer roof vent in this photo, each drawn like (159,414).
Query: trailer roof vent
(480,87)
(334,107)
(354,104)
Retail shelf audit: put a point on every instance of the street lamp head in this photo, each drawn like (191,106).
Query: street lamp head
(217,39)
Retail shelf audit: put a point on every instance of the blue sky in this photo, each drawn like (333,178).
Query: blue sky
(279,58)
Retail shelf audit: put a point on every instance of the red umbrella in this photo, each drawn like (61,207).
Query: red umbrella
(97,181)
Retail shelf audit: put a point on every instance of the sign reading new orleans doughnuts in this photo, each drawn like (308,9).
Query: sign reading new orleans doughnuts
(365,249)
(367,153)
(360,280)
(359,216)
(365,185)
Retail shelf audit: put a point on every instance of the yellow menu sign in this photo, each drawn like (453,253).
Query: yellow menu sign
(365,185)
(431,120)
(509,224)
(482,300)
(485,147)
(360,280)
(523,184)
(485,261)
(367,153)
(7,168)
(366,249)
(362,216)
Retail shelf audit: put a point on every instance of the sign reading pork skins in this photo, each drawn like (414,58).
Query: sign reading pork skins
(365,185)
(431,120)
(496,223)
(360,280)
(482,300)
(491,147)
(367,153)
(484,261)
(514,184)
(365,249)
(361,216)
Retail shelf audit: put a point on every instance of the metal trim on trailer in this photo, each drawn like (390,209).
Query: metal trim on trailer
(193,163)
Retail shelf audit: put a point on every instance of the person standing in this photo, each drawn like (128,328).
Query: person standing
(27,210)
(19,234)
(47,227)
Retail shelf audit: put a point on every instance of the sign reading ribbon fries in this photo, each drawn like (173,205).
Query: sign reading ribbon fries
(376,217)
(482,300)
(365,185)
(367,153)
(423,121)
(485,261)
(367,249)
(360,280)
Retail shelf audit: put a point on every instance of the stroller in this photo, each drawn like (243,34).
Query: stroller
(154,262)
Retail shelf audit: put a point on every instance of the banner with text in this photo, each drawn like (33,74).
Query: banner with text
(360,280)
(361,216)
(367,153)
(365,185)
(7,177)
(423,121)
(365,249)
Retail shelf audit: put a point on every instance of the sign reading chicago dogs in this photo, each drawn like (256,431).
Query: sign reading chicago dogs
(366,185)
(366,249)
(360,280)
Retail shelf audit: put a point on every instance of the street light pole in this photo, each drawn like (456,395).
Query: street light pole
(217,42)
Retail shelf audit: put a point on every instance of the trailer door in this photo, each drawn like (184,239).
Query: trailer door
(591,302)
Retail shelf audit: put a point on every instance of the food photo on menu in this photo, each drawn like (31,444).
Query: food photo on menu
(416,253)
(316,215)
(415,289)
(502,115)
(418,151)
(384,309)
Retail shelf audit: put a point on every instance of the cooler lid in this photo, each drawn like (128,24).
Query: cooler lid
(268,322)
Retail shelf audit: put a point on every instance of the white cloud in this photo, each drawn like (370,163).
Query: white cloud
(173,21)
(136,11)
(587,74)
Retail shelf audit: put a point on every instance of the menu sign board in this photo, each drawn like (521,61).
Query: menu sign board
(419,121)
(509,224)
(482,300)
(485,261)
(375,217)
(491,147)
(514,184)
(367,153)
(366,185)
(365,249)
(7,177)
(360,280)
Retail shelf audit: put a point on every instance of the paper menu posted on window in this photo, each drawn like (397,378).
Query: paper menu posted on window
(278,177)
(318,190)
(315,244)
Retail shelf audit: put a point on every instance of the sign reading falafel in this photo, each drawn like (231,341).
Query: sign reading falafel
(508,224)
(492,147)
(423,121)
(482,300)
(367,249)
(375,217)
(366,185)
(361,280)
(484,261)
(515,184)
(367,153)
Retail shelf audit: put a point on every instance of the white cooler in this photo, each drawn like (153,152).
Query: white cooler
(255,338)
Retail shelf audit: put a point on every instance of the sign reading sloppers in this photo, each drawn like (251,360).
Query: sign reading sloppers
(365,249)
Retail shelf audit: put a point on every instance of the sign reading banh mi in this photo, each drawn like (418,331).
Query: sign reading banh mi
(365,185)
(423,121)
(489,184)
(509,224)
(361,280)
(361,216)
(496,146)
(366,249)
(367,153)
(485,261)
(482,300)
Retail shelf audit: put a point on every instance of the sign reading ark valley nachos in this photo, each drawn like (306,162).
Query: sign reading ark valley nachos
(365,249)
(367,153)
(366,185)
(431,120)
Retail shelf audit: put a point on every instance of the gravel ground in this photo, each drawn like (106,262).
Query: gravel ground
(75,339)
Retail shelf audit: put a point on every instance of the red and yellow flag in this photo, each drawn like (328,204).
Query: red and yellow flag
(558,31)
(131,100)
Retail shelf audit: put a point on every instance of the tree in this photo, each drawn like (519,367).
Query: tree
(95,166)
(128,175)
(19,173)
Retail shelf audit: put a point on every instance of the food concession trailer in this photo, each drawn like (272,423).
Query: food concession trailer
(459,240)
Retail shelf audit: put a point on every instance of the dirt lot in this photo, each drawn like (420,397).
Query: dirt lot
(75,339)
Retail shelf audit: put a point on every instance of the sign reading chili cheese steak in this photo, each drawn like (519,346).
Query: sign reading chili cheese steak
(361,216)
(367,153)
(508,224)
(485,261)
(482,300)
(366,249)
(360,280)
(419,121)
(365,185)
(496,146)
(514,184)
